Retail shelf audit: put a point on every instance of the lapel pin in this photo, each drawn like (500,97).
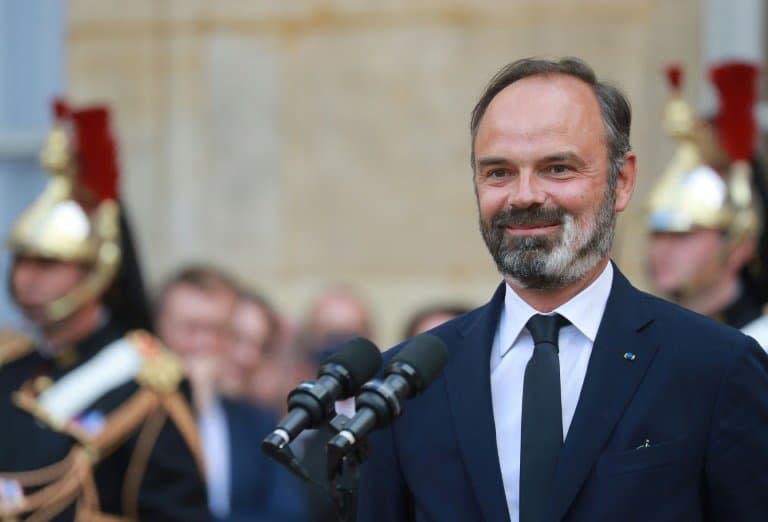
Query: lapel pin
(646,444)
(629,356)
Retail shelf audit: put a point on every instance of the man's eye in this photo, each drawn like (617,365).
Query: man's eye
(558,169)
(497,173)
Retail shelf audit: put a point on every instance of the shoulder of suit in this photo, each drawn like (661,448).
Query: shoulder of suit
(14,345)
(701,343)
(138,356)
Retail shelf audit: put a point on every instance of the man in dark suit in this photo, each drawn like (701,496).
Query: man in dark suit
(571,395)
(260,489)
(194,318)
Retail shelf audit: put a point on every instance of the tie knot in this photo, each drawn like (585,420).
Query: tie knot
(545,328)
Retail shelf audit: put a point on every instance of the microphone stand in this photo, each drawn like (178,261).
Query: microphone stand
(344,472)
(343,469)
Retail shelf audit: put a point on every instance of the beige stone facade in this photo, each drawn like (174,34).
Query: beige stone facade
(301,142)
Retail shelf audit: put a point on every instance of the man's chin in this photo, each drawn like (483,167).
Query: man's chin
(538,281)
(37,315)
(532,271)
(524,275)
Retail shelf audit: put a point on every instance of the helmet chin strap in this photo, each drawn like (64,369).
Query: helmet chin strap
(50,338)
(104,269)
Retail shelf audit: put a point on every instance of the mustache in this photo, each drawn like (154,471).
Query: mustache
(528,216)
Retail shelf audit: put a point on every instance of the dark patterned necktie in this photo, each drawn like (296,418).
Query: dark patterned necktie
(541,434)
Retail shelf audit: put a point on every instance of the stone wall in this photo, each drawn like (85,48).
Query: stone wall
(303,142)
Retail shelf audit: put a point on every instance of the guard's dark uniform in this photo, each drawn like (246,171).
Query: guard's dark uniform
(100,432)
(742,311)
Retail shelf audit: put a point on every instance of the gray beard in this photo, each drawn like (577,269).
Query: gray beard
(550,262)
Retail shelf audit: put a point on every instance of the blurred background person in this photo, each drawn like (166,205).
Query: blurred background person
(256,331)
(193,317)
(706,213)
(195,313)
(261,367)
(336,315)
(279,371)
(430,317)
(97,426)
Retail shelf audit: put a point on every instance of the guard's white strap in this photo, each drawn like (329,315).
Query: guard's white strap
(116,364)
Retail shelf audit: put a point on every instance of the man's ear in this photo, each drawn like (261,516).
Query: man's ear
(625,184)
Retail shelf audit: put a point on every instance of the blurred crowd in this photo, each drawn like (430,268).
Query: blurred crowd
(242,358)
(236,344)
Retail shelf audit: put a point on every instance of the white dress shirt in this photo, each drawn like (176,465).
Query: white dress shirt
(513,347)
(214,439)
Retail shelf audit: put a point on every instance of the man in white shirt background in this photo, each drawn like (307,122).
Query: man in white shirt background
(195,319)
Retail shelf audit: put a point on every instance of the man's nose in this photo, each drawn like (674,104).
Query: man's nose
(526,191)
(204,340)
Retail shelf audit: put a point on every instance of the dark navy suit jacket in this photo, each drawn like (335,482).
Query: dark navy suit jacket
(261,489)
(697,390)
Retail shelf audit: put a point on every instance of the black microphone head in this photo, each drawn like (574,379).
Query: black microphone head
(360,357)
(426,354)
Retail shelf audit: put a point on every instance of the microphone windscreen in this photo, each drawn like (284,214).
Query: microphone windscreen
(360,357)
(427,354)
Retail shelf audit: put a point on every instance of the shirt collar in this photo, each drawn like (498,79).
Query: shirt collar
(584,310)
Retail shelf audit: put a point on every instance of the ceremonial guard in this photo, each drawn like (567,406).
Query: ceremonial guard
(96,426)
(705,212)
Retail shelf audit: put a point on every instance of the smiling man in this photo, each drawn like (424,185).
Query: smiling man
(571,395)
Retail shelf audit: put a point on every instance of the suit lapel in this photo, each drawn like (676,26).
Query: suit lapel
(468,380)
(609,385)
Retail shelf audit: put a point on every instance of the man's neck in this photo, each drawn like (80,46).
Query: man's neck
(546,300)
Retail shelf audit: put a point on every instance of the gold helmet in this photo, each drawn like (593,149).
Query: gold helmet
(708,182)
(76,218)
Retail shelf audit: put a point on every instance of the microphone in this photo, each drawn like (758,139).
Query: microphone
(380,401)
(310,404)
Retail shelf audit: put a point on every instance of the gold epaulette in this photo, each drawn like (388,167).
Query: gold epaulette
(13,345)
(160,369)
